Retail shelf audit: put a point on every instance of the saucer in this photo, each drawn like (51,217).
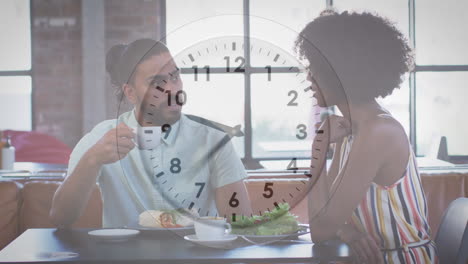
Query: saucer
(57,255)
(113,234)
(217,243)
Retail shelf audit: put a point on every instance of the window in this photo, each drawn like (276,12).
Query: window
(428,103)
(441,111)
(15,65)
(272,135)
(397,11)
(441,41)
(232,100)
(441,76)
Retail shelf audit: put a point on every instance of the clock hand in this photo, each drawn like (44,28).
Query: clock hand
(217,147)
(235,131)
(232,131)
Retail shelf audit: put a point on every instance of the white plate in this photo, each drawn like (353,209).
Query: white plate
(181,231)
(114,234)
(217,243)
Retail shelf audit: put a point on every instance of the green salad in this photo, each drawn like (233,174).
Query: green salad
(279,221)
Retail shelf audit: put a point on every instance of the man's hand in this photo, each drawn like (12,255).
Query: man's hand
(113,146)
(337,127)
(362,244)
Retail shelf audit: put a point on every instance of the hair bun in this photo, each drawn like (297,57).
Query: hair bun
(113,57)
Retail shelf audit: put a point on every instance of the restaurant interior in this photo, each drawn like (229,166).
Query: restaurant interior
(54,89)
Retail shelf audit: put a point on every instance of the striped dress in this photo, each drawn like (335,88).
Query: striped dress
(395,216)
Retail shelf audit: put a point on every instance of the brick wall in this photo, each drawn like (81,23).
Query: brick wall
(56,61)
(57,58)
(127,21)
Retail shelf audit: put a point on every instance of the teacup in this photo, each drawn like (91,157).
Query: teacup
(147,137)
(212,228)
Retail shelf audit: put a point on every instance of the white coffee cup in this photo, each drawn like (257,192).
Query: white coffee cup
(212,228)
(147,137)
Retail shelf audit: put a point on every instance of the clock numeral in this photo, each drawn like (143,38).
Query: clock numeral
(302,131)
(201,185)
(207,70)
(180,97)
(268,191)
(175,165)
(293,165)
(195,72)
(166,129)
(233,202)
(293,99)
(239,68)
(227,59)
(268,68)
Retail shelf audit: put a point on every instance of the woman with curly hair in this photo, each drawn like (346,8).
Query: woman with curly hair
(371,197)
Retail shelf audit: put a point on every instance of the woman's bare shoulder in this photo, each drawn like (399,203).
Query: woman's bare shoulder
(383,126)
(386,134)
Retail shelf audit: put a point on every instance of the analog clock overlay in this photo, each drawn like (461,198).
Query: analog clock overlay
(280,108)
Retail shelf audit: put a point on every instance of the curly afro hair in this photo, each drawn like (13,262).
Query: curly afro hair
(367,52)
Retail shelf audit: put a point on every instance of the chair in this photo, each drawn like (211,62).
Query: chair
(32,146)
(452,236)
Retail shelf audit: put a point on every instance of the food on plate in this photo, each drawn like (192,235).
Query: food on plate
(279,221)
(165,219)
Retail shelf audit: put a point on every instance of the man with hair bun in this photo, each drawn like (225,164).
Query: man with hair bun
(143,73)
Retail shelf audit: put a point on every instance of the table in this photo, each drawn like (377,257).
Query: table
(34,244)
(23,170)
(39,167)
(432,162)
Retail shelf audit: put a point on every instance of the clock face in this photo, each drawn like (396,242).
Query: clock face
(282,111)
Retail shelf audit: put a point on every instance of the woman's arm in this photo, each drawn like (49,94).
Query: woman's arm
(369,151)
(335,163)
(337,128)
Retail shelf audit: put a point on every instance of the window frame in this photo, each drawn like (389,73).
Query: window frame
(19,73)
(413,84)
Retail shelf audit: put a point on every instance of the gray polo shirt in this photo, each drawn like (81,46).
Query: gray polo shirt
(166,177)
